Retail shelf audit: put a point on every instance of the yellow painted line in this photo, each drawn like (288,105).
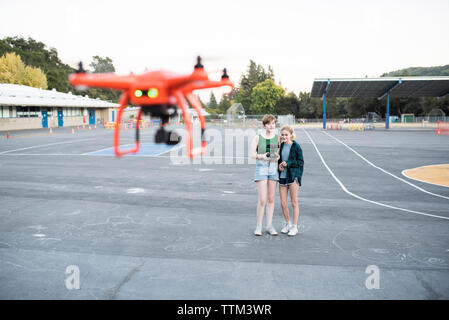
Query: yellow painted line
(435,174)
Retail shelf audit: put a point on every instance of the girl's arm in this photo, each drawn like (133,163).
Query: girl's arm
(298,160)
(280,152)
(253,150)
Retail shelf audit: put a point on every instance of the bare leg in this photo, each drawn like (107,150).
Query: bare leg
(271,192)
(283,193)
(294,188)
(262,187)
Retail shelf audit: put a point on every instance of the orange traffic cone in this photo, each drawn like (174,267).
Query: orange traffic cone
(90,128)
(77,127)
(95,128)
(51,131)
(8,136)
(73,131)
(84,127)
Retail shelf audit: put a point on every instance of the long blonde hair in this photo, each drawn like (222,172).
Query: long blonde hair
(290,130)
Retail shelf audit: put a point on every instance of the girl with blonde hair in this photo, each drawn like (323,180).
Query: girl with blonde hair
(291,165)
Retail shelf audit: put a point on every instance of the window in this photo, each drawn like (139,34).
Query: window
(22,112)
(4,111)
(34,112)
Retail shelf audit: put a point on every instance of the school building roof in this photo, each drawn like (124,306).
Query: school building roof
(20,95)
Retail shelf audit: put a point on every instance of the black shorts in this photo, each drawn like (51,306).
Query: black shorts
(283,182)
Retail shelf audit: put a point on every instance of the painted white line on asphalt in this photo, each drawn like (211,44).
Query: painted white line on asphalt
(135,190)
(383,170)
(45,145)
(137,155)
(174,148)
(41,154)
(361,198)
(88,153)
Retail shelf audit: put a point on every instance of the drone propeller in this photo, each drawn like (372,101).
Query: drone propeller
(198,65)
(225,74)
(80,68)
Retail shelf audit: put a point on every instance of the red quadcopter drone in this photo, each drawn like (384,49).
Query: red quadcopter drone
(160,94)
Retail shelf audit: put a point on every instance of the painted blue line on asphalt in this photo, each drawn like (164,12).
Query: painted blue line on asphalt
(146,149)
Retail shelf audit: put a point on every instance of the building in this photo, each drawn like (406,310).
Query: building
(23,107)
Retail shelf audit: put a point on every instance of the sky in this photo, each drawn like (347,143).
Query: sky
(300,40)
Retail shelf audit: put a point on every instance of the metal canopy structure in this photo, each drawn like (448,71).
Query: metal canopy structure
(378,88)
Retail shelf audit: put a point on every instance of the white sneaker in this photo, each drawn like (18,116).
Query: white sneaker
(271,230)
(258,231)
(287,226)
(293,230)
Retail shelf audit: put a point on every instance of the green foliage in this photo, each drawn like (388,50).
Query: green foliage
(288,104)
(225,103)
(265,97)
(102,65)
(255,75)
(35,54)
(212,102)
(419,71)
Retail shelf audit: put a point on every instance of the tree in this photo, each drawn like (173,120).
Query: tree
(288,104)
(102,65)
(255,75)
(265,96)
(212,101)
(13,70)
(225,103)
(34,77)
(35,54)
(309,107)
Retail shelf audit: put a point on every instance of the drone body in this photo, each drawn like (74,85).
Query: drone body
(159,93)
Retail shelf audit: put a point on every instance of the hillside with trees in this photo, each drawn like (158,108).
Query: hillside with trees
(36,54)
(419,71)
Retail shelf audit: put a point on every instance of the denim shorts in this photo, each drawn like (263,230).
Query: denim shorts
(266,170)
